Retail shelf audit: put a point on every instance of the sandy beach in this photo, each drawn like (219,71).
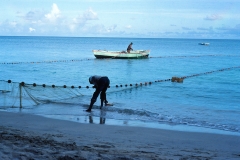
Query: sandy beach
(25,136)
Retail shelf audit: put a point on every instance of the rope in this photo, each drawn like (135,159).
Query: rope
(195,56)
(49,61)
(77,60)
(55,93)
(127,85)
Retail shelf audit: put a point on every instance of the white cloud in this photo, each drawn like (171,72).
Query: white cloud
(72,27)
(74,19)
(112,28)
(98,30)
(186,28)
(32,29)
(90,15)
(128,26)
(86,16)
(30,15)
(205,29)
(82,19)
(213,17)
(13,23)
(54,14)
(33,17)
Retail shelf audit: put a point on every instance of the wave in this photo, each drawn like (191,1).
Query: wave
(151,117)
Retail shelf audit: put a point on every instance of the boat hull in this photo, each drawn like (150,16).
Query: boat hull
(137,54)
(205,44)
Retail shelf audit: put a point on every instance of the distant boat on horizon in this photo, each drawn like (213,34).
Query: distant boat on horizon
(205,44)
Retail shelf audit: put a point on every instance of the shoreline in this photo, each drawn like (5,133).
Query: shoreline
(138,123)
(31,136)
(92,119)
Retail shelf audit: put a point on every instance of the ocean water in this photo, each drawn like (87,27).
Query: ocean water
(209,98)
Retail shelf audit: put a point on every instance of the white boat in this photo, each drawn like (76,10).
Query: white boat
(121,54)
(206,44)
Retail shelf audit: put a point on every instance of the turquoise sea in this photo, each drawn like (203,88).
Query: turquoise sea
(207,100)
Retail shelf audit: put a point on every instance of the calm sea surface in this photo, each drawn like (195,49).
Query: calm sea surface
(208,99)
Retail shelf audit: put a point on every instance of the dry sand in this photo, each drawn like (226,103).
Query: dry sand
(24,136)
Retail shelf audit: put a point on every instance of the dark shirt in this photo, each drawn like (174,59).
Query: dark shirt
(101,84)
(129,48)
(94,80)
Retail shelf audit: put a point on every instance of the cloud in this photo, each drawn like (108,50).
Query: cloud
(10,27)
(86,16)
(128,26)
(186,28)
(36,21)
(12,23)
(213,17)
(41,17)
(98,30)
(52,22)
(236,28)
(82,19)
(32,29)
(54,14)
(90,15)
(233,32)
(202,29)
(111,28)
(31,15)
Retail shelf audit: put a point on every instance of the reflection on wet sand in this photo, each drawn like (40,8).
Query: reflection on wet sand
(102,118)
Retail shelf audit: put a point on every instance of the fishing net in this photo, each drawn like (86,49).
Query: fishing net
(8,93)
(13,94)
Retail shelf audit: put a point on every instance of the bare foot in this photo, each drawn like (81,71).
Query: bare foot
(88,110)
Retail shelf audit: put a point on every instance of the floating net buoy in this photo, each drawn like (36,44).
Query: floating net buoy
(177,79)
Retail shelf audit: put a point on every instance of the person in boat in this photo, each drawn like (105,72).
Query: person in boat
(129,47)
(101,84)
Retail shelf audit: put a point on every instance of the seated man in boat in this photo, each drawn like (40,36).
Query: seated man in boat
(101,84)
(129,47)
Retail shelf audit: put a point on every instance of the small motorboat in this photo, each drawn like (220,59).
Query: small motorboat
(205,44)
(135,54)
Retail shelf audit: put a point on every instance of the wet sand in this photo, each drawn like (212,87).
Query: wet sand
(25,136)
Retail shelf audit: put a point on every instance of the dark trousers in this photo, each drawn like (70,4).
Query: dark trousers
(102,87)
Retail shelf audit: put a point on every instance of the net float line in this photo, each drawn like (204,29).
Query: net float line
(48,61)
(173,79)
(209,72)
(24,94)
(77,60)
(197,56)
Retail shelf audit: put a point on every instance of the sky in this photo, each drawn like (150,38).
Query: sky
(205,19)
